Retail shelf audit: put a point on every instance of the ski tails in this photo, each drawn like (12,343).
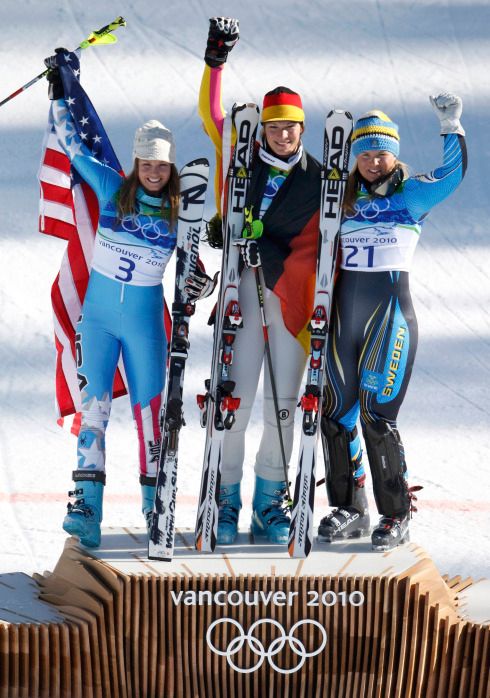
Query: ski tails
(218,405)
(336,150)
(193,186)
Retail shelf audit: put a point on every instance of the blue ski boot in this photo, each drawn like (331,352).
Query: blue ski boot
(147,500)
(84,516)
(229,510)
(270,517)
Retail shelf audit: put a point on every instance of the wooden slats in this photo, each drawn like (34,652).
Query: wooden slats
(124,636)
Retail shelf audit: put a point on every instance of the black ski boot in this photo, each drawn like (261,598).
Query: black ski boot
(347,522)
(390,532)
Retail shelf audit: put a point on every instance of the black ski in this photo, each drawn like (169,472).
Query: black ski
(193,185)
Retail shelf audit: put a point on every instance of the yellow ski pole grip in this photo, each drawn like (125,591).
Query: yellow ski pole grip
(104,34)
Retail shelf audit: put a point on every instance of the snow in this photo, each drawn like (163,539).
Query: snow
(359,55)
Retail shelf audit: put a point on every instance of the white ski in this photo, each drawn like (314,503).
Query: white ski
(336,150)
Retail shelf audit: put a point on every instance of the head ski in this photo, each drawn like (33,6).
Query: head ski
(336,150)
(218,405)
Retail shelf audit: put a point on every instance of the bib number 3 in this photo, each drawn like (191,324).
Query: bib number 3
(127,266)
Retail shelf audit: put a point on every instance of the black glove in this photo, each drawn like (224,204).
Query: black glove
(249,249)
(214,232)
(223,35)
(199,285)
(55,89)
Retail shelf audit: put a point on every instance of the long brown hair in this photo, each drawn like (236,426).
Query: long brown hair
(353,186)
(126,202)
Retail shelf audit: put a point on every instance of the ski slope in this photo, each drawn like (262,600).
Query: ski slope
(358,55)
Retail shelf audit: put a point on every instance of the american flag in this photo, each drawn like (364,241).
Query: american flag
(69,210)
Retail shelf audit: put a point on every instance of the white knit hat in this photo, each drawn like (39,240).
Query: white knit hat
(153,141)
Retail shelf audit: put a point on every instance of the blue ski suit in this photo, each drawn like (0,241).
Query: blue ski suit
(123,310)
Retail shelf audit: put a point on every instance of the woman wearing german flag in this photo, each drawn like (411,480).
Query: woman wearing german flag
(285,198)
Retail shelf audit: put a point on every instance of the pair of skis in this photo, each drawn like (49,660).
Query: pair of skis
(218,400)
(218,405)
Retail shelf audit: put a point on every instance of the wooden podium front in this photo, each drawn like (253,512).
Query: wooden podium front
(245,621)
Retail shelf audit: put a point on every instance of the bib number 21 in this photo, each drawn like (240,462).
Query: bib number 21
(349,260)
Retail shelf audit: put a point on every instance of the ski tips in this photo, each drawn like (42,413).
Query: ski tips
(339,111)
(239,106)
(194,163)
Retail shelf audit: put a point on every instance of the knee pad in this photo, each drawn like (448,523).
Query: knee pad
(387,463)
(338,465)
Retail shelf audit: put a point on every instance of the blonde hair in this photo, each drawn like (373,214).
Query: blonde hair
(352,187)
(126,202)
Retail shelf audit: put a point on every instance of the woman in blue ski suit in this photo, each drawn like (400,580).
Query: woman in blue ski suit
(123,309)
(374,336)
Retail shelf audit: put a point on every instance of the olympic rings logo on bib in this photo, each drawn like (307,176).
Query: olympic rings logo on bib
(150,228)
(369,208)
(257,647)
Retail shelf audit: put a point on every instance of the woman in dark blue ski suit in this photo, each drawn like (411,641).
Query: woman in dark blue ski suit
(374,336)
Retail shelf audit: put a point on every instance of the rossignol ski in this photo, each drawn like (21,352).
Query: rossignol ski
(218,406)
(336,150)
(193,185)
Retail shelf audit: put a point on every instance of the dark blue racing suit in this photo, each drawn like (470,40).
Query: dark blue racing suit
(372,345)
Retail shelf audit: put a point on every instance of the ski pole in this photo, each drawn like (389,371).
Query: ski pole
(101,36)
(253,230)
(265,329)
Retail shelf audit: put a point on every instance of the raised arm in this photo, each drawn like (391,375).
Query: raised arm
(102,178)
(423,192)
(222,36)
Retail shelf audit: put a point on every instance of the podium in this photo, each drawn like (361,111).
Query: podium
(244,621)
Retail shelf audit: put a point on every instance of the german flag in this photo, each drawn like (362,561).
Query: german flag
(289,244)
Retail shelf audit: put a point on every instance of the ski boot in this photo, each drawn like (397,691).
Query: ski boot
(347,522)
(229,510)
(84,516)
(147,500)
(270,517)
(390,532)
